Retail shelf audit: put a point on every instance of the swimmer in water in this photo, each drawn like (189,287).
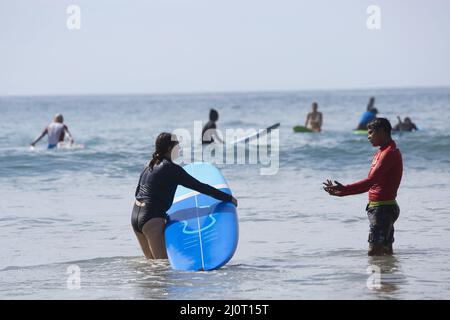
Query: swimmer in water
(314,119)
(56,132)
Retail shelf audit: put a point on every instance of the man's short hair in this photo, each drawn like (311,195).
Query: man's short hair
(380,123)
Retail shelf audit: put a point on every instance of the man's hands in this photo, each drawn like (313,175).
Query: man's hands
(333,190)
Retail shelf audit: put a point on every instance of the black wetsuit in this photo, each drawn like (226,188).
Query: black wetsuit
(403,126)
(209,125)
(156,188)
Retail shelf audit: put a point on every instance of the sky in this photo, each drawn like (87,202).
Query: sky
(182,46)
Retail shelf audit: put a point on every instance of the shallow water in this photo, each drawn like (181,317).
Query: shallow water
(72,207)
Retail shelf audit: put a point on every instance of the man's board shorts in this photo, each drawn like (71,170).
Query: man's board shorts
(382,216)
(52,146)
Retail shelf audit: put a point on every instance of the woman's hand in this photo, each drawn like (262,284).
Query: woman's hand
(234,201)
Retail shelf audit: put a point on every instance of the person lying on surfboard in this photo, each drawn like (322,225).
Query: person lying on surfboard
(209,132)
(155,193)
(314,119)
(382,183)
(56,132)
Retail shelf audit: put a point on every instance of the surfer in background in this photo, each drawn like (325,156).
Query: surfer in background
(382,183)
(314,119)
(368,116)
(56,132)
(209,132)
(155,192)
(406,125)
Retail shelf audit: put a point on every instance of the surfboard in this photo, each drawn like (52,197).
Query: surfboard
(70,146)
(256,135)
(201,232)
(302,129)
(360,132)
(60,146)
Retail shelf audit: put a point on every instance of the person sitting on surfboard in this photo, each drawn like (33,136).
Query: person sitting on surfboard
(382,183)
(405,125)
(155,193)
(314,119)
(55,131)
(367,116)
(209,132)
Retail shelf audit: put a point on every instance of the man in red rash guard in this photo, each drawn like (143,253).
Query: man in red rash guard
(382,183)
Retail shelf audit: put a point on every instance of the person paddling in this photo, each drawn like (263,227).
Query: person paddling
(56,132)
(405,125)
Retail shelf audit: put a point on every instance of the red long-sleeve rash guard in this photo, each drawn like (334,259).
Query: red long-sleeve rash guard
(384,176)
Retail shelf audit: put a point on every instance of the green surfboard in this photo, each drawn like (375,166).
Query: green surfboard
(302,129)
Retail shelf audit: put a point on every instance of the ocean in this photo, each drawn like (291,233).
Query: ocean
(65,214)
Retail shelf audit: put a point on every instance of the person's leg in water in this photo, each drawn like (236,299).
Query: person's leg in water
(154,232)
(375,249)
(388,248)
(381,234)
(135,215)
(144,245)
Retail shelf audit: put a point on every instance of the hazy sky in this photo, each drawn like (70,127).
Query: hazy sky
(163,46)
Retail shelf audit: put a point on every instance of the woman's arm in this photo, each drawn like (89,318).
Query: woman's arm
(190,182)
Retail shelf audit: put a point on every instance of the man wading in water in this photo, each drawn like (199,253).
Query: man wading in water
(382,183)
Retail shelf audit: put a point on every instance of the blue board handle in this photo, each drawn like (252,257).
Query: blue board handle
(197,230)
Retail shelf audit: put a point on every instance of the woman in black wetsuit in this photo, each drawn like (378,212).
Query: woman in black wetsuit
(155,192)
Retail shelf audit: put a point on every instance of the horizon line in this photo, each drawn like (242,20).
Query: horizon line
(225,92)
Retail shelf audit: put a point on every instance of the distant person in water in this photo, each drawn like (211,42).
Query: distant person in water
(209,132)
(382,184)
(405,125)
(155,193)
(56,132)
(368,116)
(371,104)
(314,119)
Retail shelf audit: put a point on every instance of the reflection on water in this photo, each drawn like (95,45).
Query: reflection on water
(385,274)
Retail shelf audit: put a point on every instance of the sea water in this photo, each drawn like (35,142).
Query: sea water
(65,228)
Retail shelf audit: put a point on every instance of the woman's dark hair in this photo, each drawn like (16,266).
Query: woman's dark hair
(380,123)
(163,144)
(213,115)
